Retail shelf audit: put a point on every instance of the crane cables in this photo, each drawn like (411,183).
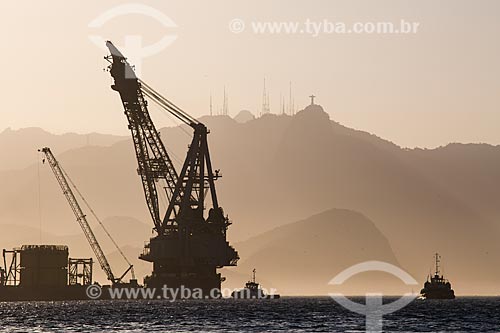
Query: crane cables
(97,219)
(167,105)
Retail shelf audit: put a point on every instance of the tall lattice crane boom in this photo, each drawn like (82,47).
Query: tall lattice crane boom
(154,163)
(64,182)
(190,245)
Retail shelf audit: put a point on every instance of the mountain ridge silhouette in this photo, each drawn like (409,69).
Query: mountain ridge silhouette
(278,169)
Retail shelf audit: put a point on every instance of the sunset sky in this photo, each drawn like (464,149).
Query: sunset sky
(439,85)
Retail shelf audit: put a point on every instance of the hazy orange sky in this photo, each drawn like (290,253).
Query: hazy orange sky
(437,86)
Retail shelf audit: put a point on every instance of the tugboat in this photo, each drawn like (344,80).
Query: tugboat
(438,287)
(252,290)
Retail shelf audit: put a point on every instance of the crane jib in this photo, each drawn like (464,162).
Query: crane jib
(64,182)
(190,245)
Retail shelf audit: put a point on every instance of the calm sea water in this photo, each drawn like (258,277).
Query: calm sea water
(285,315)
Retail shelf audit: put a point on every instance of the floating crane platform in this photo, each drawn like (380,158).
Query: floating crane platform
(43,273)
(189,245)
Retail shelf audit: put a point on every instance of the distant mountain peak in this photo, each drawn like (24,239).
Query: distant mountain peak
(314,111)
(313,116)
(314,108)
(244,116)
(24,131)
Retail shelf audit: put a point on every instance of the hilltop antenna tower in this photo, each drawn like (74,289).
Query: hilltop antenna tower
(211,112)
(291,103)
(265,101)
(225,106)
(282,104)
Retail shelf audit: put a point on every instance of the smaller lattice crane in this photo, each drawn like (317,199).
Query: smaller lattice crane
(64,182)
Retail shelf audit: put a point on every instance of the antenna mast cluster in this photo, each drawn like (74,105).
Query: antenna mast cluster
(225,105)
(265,101)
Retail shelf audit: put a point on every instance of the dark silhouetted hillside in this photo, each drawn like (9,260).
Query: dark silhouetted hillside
(302,257)
(278,169)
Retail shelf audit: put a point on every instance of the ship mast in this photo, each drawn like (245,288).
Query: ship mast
(438,257)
